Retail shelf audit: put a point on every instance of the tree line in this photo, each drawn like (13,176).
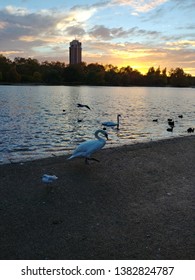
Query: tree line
(28,70)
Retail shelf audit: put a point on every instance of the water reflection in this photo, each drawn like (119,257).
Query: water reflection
(40,121)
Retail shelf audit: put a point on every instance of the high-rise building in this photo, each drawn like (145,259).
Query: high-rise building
(75,55)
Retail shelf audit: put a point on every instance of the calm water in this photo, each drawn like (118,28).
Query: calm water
(33,123)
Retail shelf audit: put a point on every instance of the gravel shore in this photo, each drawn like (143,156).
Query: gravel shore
(137,203)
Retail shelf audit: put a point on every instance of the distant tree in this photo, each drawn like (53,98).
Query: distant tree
(37,77)
(164,76)
(52,77)
(95,74)
(155,77)
(13,76)
(178,78)
(26,68)
(72,74)
(111,75)
(151,76)
(31,71)
(5,65)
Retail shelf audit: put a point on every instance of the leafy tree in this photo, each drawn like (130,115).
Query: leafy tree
(95,74)
(5,65)
(31,71)
(111,75)
(178,78)
(37,77)
(13,75)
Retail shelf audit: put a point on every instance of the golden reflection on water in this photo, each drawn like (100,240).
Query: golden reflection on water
(43,121)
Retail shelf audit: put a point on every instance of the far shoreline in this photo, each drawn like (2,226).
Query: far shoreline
(92,85)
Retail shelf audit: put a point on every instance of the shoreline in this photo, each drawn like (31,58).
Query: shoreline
(137,203)
(91,85)
(136,145)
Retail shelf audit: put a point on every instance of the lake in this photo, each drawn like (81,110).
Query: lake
(44,121)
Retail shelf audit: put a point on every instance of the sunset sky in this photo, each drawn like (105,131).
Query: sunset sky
(141,34)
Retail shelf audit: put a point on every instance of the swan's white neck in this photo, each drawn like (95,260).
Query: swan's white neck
(97,134)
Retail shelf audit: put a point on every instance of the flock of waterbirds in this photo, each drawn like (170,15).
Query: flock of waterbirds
(171,124)
(87,148)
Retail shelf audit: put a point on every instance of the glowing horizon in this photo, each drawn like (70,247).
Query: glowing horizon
(139,34)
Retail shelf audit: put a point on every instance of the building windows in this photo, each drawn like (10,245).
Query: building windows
(75,52)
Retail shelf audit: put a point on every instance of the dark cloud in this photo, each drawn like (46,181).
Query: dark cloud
(105,33)
(75,31)
(23,25)
(97,5)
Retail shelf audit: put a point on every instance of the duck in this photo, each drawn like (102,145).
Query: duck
(112,124)
(170,129)
(49,178)
(155,120)
(82,105)
(87,148)
(190,130)
(180,116)
(171,123)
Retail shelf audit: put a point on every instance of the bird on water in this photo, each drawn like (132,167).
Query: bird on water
(87,148)
(112,124)
(82,105)
(190,130)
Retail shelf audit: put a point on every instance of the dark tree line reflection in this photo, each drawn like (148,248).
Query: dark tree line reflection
(22,70)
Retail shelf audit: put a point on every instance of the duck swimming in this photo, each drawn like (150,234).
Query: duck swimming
(190,130)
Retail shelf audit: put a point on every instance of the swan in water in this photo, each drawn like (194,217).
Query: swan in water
(88,147)
(112,124)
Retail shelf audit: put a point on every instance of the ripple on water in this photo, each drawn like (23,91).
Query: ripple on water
(34,125)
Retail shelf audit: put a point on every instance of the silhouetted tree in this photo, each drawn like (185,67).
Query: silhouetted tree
(111,75)
(13,76)
(37,77)
(178,78)
(5,66)
(31,71)
(95,74)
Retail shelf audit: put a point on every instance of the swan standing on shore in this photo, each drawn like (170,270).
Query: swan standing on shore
(112,124)
(87,148)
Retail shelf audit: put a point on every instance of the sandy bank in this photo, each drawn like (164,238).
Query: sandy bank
(137,203)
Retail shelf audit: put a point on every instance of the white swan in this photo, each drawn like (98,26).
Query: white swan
(112,124)
(87,148)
